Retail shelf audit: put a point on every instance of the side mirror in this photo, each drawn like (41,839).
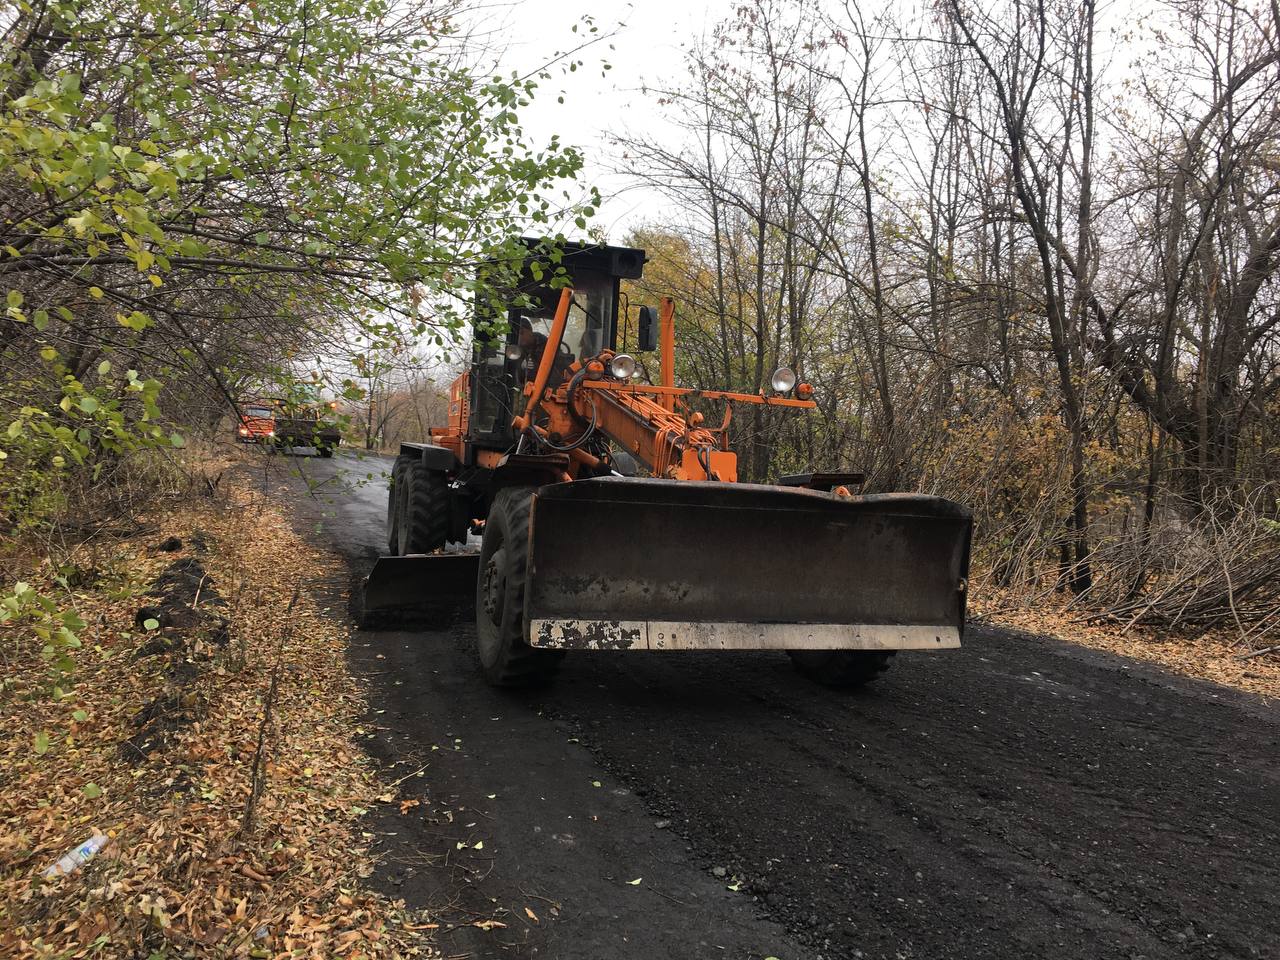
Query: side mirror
(648,336)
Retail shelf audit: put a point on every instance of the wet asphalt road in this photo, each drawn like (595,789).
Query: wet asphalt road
(1020,797)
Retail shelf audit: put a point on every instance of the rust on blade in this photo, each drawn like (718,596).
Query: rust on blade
(686,635)
(588,635)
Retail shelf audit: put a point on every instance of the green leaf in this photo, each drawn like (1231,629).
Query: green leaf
(151,623)
(92,791)
(88,404)
(42,743)
(79,716)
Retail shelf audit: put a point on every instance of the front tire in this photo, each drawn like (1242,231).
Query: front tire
(842,669)
(506,659)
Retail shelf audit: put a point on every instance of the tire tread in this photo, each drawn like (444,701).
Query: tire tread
(519,664)
(426,509)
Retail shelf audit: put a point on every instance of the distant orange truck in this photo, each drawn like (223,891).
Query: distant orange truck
(267,421)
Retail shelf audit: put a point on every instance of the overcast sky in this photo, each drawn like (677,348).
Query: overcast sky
(650,40)
(648,47)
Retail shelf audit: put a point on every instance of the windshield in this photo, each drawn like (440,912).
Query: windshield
(540,322)
(585,328)
(259,412)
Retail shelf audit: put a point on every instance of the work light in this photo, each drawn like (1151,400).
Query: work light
(623,366)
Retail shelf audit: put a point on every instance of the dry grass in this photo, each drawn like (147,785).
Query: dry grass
(1212,656)
(182,876)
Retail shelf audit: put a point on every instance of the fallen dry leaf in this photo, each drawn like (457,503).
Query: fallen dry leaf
(173,805)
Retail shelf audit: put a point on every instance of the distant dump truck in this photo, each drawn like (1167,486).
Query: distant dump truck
(280,424)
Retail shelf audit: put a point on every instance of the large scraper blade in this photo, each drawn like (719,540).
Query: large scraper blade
(655,564)
(419,590)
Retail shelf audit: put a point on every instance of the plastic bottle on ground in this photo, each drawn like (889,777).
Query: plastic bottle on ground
(78,856)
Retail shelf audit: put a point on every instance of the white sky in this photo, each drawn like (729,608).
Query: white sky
(647,48)
(649,41)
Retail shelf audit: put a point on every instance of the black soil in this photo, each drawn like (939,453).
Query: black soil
(1020,797)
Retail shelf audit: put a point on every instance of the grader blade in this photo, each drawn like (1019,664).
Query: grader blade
(620,563)
(425,590)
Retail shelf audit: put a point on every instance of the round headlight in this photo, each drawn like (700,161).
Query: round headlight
(513,351)
(623,366)
(784,378)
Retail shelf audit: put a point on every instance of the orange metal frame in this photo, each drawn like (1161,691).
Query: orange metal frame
(639,417)
(548,359)
(692,393)
(670,444)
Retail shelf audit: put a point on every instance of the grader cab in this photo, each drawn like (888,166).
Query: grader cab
(548,433)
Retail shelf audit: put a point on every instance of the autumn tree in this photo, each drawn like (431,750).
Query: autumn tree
(202,191)
(1023,274)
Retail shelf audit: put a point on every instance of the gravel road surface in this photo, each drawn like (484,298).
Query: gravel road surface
(1021,797)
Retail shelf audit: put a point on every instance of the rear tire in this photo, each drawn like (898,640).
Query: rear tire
(424,517)
(394,511)
(843,669)
(506,659)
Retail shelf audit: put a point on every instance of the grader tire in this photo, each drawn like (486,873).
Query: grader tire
(394,510)
(424,517)
(842,669)
(506,659)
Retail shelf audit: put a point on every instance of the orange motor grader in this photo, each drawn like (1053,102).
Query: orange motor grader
(548,433)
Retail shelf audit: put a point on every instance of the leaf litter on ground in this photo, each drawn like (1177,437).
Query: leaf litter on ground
(180,874)
(1214,656)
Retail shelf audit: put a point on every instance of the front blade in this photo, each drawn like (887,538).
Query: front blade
(658,564)
(419,590)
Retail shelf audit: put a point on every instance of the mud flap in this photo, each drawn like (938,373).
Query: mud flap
(427,590)
(622,563)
